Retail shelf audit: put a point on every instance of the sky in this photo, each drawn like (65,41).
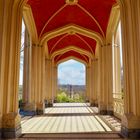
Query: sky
(21,55)
(71,72)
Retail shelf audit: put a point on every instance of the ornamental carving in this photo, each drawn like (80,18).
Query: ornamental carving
(11,120)
(71,2)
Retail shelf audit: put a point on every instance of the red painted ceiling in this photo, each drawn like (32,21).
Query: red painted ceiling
(66,40)
(81,14)
(73,54)
(53,14)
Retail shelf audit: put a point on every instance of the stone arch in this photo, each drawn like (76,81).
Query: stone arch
(69,48)
(71,57)
(72,28)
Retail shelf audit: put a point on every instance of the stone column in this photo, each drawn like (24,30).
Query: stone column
(9,66)
(94,82)
(49,81)
(97,81)
(116,65)
(105,80)
(27,69)
(130,21)
(54,86)
(88,83)
(109,74)
(1,38)
(38,74)
(27,105)
(102,99)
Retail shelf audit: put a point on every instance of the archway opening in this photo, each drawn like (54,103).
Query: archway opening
(118,91)
(20,92)
(71,82)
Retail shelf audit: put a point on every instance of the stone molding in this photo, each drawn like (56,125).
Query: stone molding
(11,120)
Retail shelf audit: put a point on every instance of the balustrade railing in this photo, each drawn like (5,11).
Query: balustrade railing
(118,105)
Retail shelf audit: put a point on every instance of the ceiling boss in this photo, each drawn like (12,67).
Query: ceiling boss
(71,2)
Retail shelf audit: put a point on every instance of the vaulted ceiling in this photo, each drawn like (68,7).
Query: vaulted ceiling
(72,53)
(66,40)
(50,15)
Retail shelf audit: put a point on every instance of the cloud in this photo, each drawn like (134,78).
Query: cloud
(71,72)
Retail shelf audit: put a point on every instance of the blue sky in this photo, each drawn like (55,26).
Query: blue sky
(22,53)
(71,72)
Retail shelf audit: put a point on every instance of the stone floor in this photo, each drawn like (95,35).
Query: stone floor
(70,108)
(64,124)
(71,121)
(69,118)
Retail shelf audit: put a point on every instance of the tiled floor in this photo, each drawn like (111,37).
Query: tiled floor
(70,104)
(64,124)
(69,108)
(70,121)
(67,118)
(113,122)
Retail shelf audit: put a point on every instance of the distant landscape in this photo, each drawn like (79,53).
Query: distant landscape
(71,93)
(20,92)
(80,89)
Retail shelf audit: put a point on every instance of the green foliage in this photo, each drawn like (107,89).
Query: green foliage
(20,102)
(62,97)
(20,92)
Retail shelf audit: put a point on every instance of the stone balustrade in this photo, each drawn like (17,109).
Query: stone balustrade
(118,105)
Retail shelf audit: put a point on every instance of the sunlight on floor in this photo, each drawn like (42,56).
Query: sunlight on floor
(67,118)
(60,124)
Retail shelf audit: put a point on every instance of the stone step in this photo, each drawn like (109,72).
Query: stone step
(75,136)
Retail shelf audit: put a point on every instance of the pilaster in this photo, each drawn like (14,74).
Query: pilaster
(130,21)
